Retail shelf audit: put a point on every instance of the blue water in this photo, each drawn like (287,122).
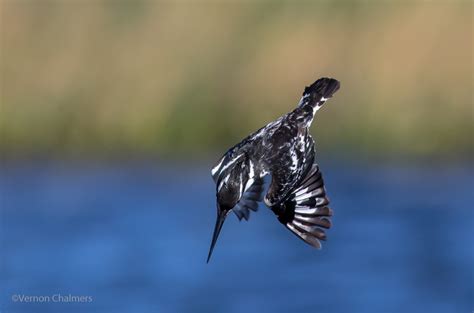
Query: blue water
(134,237)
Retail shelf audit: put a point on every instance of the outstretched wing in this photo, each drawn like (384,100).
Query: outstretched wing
(249,200)
(305,212)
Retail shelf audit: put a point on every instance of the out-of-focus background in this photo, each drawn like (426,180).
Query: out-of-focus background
(112,113)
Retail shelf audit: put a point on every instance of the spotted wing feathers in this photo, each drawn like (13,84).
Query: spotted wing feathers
(306,212)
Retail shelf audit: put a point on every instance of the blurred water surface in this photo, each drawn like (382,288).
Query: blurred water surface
(135,238)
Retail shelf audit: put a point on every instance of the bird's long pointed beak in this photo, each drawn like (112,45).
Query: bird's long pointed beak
(217,229)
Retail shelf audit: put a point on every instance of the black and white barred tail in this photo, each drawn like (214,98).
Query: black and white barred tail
(306,212)
(319,92)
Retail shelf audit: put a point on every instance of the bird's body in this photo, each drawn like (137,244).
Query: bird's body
(283,150)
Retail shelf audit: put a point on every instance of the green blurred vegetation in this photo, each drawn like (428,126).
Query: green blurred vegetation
(89,78)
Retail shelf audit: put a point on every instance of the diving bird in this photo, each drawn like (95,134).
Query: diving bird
(284,152)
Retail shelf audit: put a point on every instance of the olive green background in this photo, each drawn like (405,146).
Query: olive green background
(119,79)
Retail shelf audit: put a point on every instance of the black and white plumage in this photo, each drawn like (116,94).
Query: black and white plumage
(284,151)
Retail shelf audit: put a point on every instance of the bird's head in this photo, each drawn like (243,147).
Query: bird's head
(228,193)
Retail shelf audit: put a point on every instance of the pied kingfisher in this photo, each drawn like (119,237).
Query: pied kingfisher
(284,151)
